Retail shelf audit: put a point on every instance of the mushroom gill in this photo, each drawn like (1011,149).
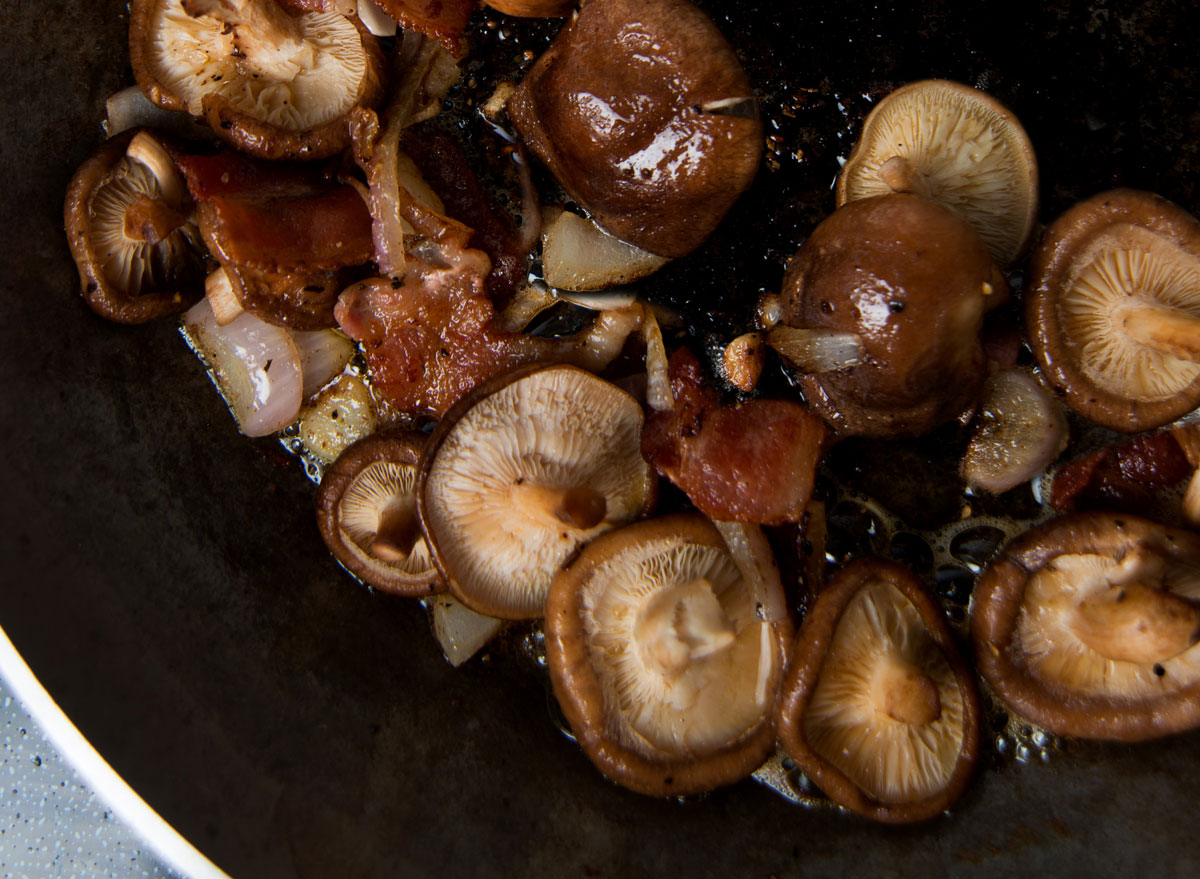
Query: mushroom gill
(1089,624)
(1112,309)
(957,146)
(660,659)
(887,710)
(879,707)
(520,474)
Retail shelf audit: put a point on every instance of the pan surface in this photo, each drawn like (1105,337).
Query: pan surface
(164,578)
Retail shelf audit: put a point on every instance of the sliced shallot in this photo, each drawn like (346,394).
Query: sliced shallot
(255,366)
(578,255)
(323,355)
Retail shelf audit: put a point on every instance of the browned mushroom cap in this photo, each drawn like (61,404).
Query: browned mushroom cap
(1113,309)
(879,708)
(911,280)
(955,145)
(1088,625)
(533,8)
(129,225)
(522,472)
(274,83)
(367,514)
(660,659)
(635,109)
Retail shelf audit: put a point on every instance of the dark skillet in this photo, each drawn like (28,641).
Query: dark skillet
(164,578)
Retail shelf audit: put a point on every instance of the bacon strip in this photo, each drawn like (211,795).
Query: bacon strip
(748,462)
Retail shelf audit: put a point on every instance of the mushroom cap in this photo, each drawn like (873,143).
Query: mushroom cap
(1047,625)
(367,514)
(664,667)
(631,108)
(128,279)
(879,707)
(911,279)
(523,471)
(1117,251)
(957,146)
(277,85)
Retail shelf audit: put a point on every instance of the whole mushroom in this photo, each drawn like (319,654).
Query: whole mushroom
(1089,624)
(131,228)
(895,287)
(273,82)
(643,113)
(1113,309)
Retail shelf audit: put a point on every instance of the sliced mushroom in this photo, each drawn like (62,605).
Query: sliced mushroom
(879,707)
(664,667)
(630,108)
(1019,431)
(911,280)
(521,473)
(367,514)
(130,227)
(957,146)
(1113,309)
(1088,625)
(274,83)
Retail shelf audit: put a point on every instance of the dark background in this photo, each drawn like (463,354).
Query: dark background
(163,575)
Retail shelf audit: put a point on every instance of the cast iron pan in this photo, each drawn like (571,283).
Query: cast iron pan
(163,576)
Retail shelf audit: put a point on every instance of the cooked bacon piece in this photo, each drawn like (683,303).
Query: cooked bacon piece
(443,20)
(275,216)
(298,300)
(430,339)
(1127,476)
(748,462)
(443,164)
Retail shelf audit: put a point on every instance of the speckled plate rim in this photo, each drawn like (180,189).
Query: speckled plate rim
(166,842)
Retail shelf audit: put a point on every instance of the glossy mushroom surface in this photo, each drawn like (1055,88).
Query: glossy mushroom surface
(521,473)
(367,513)
(879,708)
(957,146)
(910,279)
(1088,625)
(132,234)
(660,659)
(1113,309)
(642,111)
(275,83)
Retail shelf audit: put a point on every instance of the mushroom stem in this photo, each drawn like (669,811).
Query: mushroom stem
(263,33)
(900,176)
(1169,330)
(579,507)
(223,299)
(743,361)
(144,148)
(1134,622)
(682,624)
(151,221)
(816,351)
(905,693)
(397,532)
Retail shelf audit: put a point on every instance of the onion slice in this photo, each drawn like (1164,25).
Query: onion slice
(752,554)
(578,255)
(816,350)
(459,630)
(323,356)
(254,365)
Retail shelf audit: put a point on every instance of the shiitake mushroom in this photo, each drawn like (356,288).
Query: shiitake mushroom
(1088,625)
(879,708)
(1113,309)
(901,284)
(643,113)
(661,659)
(367,513)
